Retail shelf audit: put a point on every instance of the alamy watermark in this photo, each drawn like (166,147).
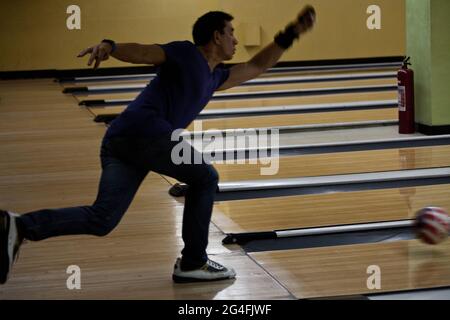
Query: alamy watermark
(237,146)
(73,21)
(374,20)
(374,280)
(73,282)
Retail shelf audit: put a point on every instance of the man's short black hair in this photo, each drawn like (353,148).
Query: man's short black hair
(205,26)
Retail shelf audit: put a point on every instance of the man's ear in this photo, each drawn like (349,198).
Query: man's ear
(216,37)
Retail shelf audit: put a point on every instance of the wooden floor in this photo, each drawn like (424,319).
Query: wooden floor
(284,120)
(342,270)
(49,151)
(113,81)
(343,163)
(320,210)
(259,88)
(300,100)
(271,102)
(49,159)
(325,71)
(300,86)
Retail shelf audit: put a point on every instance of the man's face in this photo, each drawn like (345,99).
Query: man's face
(227,41)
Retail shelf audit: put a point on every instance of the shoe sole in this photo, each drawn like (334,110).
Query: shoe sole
(178,279)
(4,252)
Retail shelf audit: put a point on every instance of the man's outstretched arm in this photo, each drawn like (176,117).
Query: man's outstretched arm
(127,52)
(270,55)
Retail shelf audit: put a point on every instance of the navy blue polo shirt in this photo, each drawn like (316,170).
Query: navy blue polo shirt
(172,100)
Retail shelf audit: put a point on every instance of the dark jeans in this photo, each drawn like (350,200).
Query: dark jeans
(125,164)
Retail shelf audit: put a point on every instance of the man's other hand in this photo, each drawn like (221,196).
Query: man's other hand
(98,53)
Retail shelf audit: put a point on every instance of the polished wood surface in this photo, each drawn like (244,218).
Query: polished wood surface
(270,102)
(339,163)
(271,75)
(319,210)
(326,71)
(312,85)
(252,89)
(343,270)
(301,100)
(264,87)
(50,148)
(276,121)
(115,82)
(49,158)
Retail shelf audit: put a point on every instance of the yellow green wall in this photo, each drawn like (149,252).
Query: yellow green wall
(34,34)
(418,47)
(440,61)
(428,44)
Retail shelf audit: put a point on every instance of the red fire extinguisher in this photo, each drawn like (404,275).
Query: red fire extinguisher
(405,78)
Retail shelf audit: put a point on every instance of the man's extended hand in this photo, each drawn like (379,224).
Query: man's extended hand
(305,19)
(98,53)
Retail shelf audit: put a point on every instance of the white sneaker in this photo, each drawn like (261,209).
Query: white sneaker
(9,243)
(211,271)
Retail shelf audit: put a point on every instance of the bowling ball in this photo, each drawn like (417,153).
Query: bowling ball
(432,225)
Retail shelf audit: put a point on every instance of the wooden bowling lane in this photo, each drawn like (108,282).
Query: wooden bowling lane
(329,72)
(100,111)
(281,86)
(269,75)
(343,270)
(105,83)
(307,211)
(300,100)
(276,121)
(253,89)
(49,159)
(340,163)
(311,85)
(270,102)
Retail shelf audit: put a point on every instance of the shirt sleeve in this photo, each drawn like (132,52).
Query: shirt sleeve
(174,50)
(221,75)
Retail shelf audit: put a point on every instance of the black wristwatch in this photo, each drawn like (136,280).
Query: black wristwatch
(112,43)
